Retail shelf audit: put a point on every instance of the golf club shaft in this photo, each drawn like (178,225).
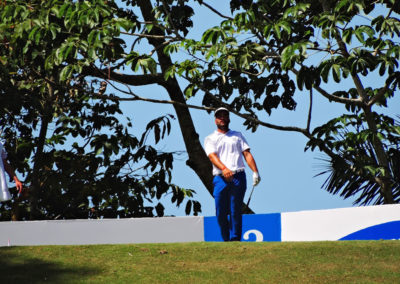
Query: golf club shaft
(251,193)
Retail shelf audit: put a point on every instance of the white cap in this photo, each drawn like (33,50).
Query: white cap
(220,109)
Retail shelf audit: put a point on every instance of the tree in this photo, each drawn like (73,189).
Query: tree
(88,40)
(258,59)
(254,62)
(68,142)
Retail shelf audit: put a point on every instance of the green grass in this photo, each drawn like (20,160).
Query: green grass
(303,262)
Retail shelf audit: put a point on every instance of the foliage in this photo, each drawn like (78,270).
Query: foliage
(92,166)
(356,165)
(254,63)
(78,159)
(258,59)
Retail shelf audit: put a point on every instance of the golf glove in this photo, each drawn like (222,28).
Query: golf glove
(256,178)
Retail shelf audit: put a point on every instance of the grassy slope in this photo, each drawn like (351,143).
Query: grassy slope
(312,262)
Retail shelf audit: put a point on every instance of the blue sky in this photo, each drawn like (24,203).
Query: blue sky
(288,173)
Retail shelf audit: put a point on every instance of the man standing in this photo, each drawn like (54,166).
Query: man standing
(226,149)
(6,167)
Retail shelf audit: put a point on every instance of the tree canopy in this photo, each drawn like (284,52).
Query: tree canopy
(73,147)
(257,59)
(62,57)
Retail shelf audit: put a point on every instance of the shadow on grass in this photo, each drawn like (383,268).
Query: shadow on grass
(15,268)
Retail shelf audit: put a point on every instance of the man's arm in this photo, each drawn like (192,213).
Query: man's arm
(250,160)
(227,173)
(253,166)
(12,175)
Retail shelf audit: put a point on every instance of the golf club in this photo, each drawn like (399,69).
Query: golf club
(251,193)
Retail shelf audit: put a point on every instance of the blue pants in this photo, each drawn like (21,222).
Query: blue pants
(228,205)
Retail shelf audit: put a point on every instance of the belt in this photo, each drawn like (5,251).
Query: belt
(234,172)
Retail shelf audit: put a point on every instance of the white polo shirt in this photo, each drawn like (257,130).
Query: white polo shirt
(228,147)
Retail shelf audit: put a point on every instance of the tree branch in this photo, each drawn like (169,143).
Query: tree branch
(332,97)
(378,96)
(216,11)
(135,97)
(149,35)
(336,98)
(256,120)
(133,80)
(156,48)
(309,111)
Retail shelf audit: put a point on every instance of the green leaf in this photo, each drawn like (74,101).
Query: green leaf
(92,53)
(156,133)
(63,9)
(171,48)
(347,35)
(285,26)
(277,31)
(170,72)
(380,136)
(99,151)
(267,30)
(126,24)
(93,36)
(66,72)
(189,91)
(149,27)
(336,72)
(188,207)
(360,31)
(300,78)
(32,33)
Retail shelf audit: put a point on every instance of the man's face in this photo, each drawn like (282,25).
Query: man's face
(222,120)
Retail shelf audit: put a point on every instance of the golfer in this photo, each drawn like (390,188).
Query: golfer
(226,149)
(6,167)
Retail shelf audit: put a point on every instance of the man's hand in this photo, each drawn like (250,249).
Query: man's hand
(256,178)
(228,174)
(252,164)
(18,184)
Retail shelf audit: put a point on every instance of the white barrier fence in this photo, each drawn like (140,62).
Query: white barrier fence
(369,222)
(102,231)
(357,223)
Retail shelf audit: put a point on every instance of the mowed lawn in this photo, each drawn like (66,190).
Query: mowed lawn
(294,262)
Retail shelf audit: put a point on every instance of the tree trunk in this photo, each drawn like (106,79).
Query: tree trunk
(383,181)
(198,159)
(34,190)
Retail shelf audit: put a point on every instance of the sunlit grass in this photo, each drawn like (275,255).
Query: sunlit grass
(311,262)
